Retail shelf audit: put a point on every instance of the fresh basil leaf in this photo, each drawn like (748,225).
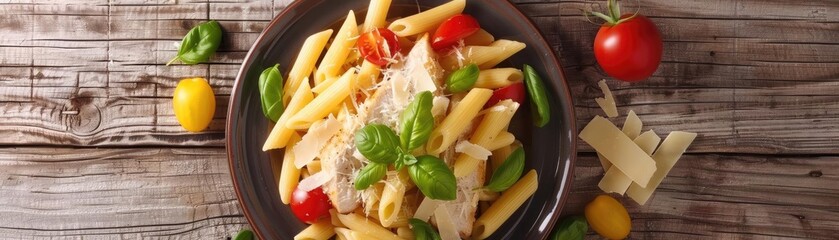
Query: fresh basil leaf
(417,122)
(244,235)
(539,105)
(378,143)
(463,79)
(423,230)
(572,228)
(271,92)
(370,174)
(508,173)
(433,178)
(199,44)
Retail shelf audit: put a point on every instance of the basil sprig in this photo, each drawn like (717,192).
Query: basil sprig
(199,44)
(423,230)
(571,228)
(508,173)
(417,122)
(463,79)
(370,174)
(539,106)
(380,144)
(271,92)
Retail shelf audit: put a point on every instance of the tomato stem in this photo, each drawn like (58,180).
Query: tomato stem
(614,13)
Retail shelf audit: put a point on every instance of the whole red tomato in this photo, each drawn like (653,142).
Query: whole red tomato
(310,206)
(628,47)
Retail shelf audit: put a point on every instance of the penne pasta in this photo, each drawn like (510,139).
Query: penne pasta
(305,62)
(368,75)
(391,203)
(343,233)
(505,206)
(457,121)
(333,218)
(495,120)
(361,224)
(321,230)
(405,233)
(503,139)
(324,103)
(289,174)
(337,53)
(376,14)
(427,20)
(498,78)
(485,56)
(313,167)
(479,38)
(322,86)
(499,156)
(278,138)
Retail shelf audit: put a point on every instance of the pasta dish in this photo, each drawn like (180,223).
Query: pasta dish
(398,128)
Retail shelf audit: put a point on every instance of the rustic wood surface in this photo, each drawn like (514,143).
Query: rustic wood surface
(91,147)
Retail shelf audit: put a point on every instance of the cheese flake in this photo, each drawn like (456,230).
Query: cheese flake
(632,126)
(473,150)
(615,181)
(426,209)
(608,140)
(439,106)
(399,86)
(315,139)
(314,181)
(607,103)
(665,158)
(445,224)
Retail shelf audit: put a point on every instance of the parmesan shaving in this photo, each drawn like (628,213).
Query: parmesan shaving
(473,150)
(665,158)
(314,181)
(315,139)
(399,86)
(439,106)
(426,209)
(615,146)
(608,102)
(445,224)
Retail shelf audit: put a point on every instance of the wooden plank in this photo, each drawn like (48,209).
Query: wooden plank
(118,192)
(728,196)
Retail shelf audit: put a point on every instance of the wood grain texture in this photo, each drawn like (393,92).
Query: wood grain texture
(725,196)
(117,193)
(755,78)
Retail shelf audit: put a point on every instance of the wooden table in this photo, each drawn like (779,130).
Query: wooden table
(91,147)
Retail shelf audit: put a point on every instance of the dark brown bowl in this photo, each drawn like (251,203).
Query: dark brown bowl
(550,150)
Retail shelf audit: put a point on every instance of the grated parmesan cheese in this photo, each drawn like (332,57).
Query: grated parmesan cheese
(315,139)
(473,150)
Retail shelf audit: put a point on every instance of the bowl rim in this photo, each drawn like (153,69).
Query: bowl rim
(240,77)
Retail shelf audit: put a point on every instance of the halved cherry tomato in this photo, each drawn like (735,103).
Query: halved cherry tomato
(514,92)
(454,29)
(310,206)
(378,46)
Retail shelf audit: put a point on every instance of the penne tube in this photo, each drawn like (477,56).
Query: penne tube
(337,53)
(305,62)
(505,206)
(376,14)
(498,78)
(313,167)
(324,84)
(427,20)
(485,56)
(405,233)
(458,120)
(479,38)
(278,138)
(324,103)
(321,230)
(368,75)
(289,174)
(391,203)
(503,139)
(494,121)
(361,224)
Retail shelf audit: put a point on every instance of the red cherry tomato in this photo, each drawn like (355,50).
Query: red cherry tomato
(629,50)
(310,206)
(514,92)
(378,46)
(454,29)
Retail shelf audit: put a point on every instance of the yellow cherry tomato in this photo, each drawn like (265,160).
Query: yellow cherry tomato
(194,104)
(608,217)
